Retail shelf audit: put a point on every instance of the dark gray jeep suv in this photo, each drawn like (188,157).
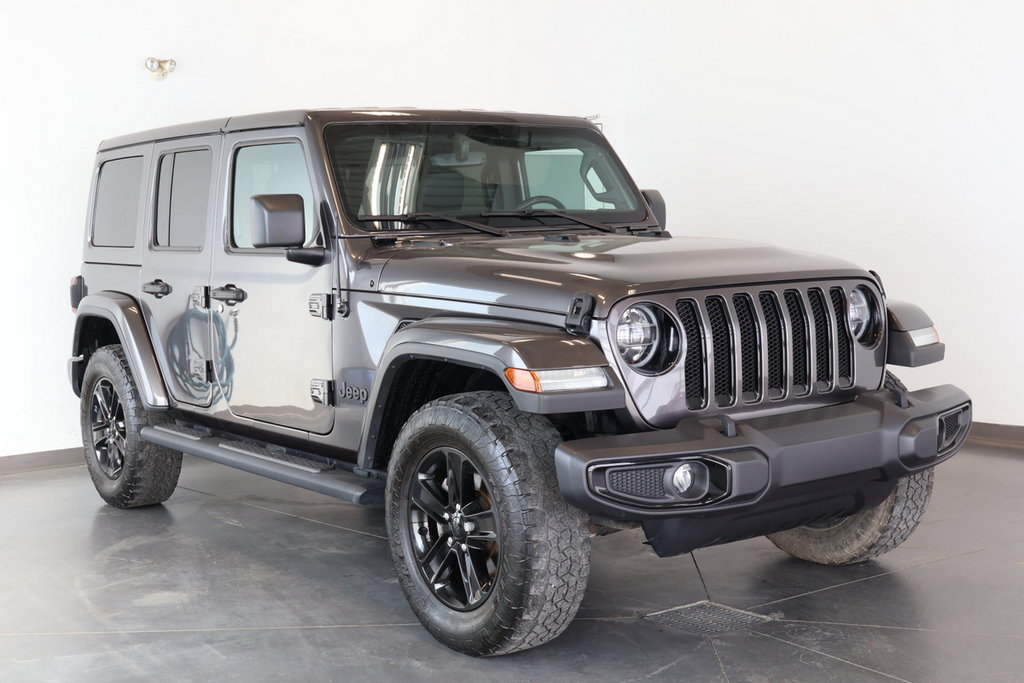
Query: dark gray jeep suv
(480,320)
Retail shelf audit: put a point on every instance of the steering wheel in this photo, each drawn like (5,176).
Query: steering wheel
(540,199)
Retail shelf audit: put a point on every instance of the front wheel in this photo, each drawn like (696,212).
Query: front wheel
(866,534)
(490,556)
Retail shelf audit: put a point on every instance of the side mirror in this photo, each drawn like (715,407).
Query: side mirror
(657,204)
(278,220)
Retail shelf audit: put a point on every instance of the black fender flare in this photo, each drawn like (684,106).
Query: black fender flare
(125,315)
(491,345)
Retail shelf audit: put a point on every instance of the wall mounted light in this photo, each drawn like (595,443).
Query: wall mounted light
(159,68)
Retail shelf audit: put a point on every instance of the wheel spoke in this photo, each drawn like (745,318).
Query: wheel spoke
(114,456)
(484,527)
(113,406)
(454,462)
(99,435)
(470,579)
(426,499)
(102,405)
(436,577)
(440,545)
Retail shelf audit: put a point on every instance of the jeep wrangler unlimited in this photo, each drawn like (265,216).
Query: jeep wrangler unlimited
(480,320)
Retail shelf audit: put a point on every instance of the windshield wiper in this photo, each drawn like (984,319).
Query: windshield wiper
(548,213)
(435,217)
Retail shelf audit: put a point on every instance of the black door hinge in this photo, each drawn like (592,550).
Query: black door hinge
(578,318)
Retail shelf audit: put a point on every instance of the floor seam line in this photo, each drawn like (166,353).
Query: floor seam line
(838,659)
(287,514)
(203,630)
(899,628)
(883,574)
(718,657)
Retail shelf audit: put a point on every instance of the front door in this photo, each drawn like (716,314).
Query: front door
(271,356)
(176,264)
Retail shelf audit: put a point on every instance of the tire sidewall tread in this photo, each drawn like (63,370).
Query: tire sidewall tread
(544,540)
(150,473)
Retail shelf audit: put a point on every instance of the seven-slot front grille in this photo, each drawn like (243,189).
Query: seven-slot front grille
(749,347)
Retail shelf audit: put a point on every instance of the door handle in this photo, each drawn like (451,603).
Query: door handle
(229,294)
(157,288)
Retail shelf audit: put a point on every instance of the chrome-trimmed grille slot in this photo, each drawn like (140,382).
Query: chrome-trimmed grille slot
(775,351)
(693,361)
(723,373)
(750,348)
(800,344)
(844,355)
(822,341)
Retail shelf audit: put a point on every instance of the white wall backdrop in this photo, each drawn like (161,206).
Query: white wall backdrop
(886,131)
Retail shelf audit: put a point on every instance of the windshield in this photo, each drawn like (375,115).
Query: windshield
(471,170)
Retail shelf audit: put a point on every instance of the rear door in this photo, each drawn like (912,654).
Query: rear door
(176,263)
(272,356)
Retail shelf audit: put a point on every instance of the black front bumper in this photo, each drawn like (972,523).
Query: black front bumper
(772,473)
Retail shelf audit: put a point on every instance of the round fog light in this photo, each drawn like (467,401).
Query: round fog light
(682,478)
(691,480)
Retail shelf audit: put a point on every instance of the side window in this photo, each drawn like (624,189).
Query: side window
(116,211)
(268,169)
(182,199)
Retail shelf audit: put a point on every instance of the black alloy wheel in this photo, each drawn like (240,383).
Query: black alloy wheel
(109,432)
(453,530)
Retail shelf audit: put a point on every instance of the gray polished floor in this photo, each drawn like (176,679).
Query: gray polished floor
(237,578)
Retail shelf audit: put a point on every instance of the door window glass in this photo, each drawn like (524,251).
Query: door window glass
(268,169)
(182,199)
(116,211)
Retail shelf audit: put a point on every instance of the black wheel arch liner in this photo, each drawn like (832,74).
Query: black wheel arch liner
(491,345)
(124,313)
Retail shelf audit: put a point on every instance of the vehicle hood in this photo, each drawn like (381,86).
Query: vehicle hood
(543,274)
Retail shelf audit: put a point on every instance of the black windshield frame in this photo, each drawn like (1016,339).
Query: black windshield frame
(351,180)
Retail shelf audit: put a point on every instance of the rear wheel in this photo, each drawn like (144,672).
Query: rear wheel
(126,471)
(490,556)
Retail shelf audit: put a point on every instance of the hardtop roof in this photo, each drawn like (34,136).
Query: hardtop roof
(323,117)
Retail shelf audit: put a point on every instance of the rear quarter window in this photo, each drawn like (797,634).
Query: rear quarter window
(183,192)
(116,211)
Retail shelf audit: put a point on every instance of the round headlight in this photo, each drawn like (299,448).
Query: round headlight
(648,339)
(860,312)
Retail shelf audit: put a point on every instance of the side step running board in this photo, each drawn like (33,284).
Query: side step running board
(342,484)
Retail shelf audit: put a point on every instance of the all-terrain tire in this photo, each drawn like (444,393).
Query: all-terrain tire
(127,471)
(869,533)
(534,576)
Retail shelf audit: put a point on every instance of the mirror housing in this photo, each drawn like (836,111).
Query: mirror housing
(278,220)
(657,204)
